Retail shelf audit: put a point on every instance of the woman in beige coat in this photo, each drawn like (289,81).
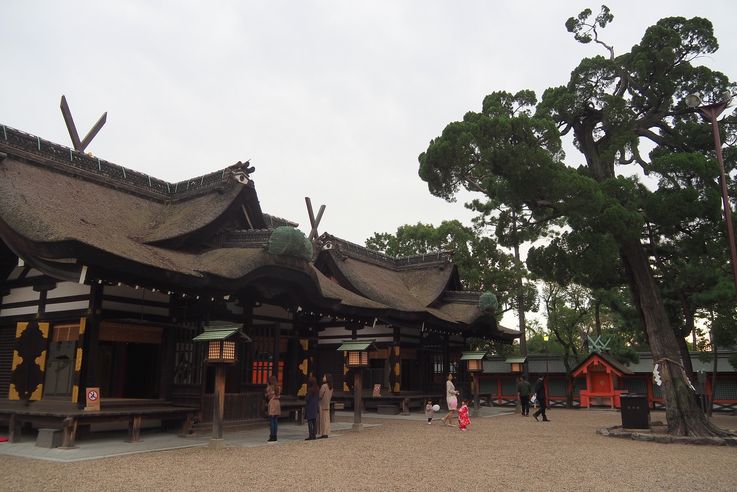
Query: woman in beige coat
(326,394)
(273,392)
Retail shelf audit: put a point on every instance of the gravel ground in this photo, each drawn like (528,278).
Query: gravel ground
(499,453)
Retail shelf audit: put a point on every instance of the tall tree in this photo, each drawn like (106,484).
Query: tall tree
(513,226)
(569,314)
(609,105)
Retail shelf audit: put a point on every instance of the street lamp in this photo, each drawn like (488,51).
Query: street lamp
(712,112)
(475,361)
(356,357)
(222,350)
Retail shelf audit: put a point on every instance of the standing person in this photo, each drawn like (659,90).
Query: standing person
(325,395)
(273,392)
(523,390)
(429,411)
(451,397)
(540,395)
(463,419)
(312,408)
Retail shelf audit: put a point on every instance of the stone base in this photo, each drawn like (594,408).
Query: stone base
(657,433)
(216,444)
(49,438)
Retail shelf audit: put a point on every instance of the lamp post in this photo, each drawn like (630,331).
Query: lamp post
(222,351)
(475,363)
(711,112)
(517,366)
(356,357)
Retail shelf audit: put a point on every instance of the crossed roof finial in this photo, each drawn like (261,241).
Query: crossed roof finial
(80,145)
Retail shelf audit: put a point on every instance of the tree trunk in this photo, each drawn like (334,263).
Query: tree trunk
(683,415)
(685,357)
(597,318)
(688,328)
(715,354)
(569,386)
(520,298)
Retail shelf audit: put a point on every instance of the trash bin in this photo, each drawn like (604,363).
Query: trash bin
(635,411)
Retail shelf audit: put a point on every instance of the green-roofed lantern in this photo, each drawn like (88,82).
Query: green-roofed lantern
(289,241)
(357,357)
(488,302)
(474,359)
(222,339)
(222,349)
(517,364)
(356,352)
(475,365)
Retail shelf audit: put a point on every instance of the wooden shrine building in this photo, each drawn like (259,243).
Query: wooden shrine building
(602,373)
(108,274)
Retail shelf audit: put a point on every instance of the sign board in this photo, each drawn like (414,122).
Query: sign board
(377,390)
(93,400)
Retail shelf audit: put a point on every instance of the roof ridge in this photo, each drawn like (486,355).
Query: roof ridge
(70,161)
(398,262)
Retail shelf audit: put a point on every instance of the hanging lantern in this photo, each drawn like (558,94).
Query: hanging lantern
(517,364)
(474,360)
(356,352)
(222,341)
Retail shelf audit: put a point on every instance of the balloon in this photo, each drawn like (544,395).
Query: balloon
(436,408)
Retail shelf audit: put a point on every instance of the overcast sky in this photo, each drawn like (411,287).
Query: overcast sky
(329,99)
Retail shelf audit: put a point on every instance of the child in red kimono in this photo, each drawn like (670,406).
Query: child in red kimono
(463,420)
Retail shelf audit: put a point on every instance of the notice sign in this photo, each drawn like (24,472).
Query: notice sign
(93,400)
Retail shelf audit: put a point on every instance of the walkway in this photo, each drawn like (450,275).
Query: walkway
(109,444)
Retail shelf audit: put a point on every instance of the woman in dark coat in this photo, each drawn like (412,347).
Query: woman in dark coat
(312,407)
(540,395)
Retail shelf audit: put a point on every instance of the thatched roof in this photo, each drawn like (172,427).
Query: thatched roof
(412,284)
(62,210)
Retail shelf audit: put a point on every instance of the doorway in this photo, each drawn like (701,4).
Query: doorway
(129,360)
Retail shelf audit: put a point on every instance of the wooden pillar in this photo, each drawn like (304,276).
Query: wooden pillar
(305,365)
(134,428)
(293,377)
(91,341)
(446,356)
(357,399)
(346,372)
(168,341)
(14,429)
(476,401)
(277,350)
(396,360)
(218,408)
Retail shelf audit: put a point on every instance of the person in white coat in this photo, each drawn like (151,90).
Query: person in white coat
(451,397)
